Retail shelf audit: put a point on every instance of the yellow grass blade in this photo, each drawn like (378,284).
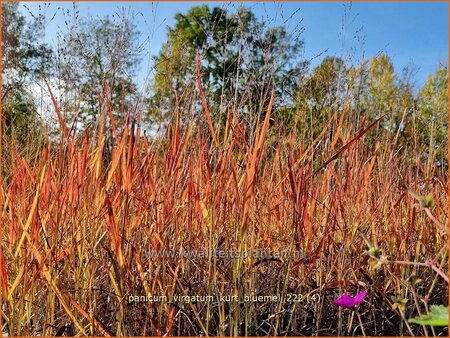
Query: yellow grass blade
(205,105)
(32,211)
(53,285)
(16,282)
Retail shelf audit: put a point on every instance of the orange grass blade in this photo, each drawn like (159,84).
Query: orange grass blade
(64,253)
(91,319)
(143,278)
(314,258)
(371,165)
(3,271)
(16,282)
(338,130)
(116,157)
(98,158)
(58,112)
(251,171)
(83,159)
(53,285)
(303,155)
(205,105)
(114,230)
(32,211)
(183,149)
(349,143)
(170,322)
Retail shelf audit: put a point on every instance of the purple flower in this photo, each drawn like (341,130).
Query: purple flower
(349,302)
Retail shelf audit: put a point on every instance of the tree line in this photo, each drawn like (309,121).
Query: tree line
(241,59)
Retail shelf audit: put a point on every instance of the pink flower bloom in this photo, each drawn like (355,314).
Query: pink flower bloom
(349,302)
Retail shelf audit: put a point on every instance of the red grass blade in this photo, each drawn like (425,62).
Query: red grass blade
(348,144)
(205,105)
(114,231)
(58,112)
(3,271)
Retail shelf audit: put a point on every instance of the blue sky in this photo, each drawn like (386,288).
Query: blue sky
(415,32)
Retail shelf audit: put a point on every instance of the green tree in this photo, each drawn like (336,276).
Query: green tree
(432,115)
(385,93)
(356,81)
(405,104)
(93,51)
(320,95)
(23,59)
(241,60)
(381,85)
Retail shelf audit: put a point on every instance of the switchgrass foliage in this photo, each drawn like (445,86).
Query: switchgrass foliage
(81,225)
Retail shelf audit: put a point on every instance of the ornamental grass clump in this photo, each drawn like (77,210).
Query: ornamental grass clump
(86,227)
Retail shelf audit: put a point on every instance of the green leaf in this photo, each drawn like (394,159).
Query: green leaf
(374,250)
(424,201)
(437,317)
(399,303)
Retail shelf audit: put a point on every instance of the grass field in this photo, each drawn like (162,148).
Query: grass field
(233,233)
